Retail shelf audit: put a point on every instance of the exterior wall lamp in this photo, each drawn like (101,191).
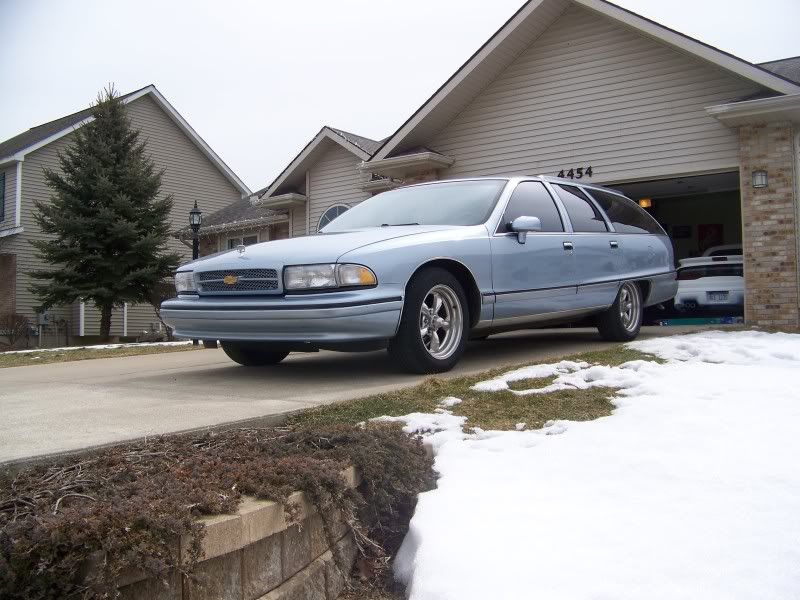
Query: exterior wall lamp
(760,179)
(195,220)
(646,203)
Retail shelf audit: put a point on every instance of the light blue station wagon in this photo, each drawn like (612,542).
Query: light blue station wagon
(421,269)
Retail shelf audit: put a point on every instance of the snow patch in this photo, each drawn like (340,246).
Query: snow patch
(449,402)
(533,372)
(690,489)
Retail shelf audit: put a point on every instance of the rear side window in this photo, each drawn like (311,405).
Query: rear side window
(531,199)
(625,215)
(582,213)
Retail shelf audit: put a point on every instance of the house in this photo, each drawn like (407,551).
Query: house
(192,171)
(320,183)
(707,142)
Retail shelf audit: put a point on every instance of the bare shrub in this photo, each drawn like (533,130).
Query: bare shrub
(16,329)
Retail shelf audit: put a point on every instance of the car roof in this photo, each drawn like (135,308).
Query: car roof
(520,178)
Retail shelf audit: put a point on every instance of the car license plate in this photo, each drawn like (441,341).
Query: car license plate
(717,296)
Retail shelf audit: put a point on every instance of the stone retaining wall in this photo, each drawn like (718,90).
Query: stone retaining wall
(256,555)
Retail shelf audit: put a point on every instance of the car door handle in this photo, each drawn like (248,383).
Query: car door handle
(568,246)
(613,244)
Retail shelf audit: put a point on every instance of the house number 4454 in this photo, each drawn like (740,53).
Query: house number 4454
(578,173)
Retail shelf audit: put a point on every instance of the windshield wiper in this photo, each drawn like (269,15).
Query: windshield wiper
(397,224)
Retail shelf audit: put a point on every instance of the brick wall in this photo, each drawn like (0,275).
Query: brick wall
(8,288)
(770,227)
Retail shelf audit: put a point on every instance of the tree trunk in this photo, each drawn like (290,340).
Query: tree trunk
(105,324)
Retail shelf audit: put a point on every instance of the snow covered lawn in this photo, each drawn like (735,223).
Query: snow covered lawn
(690,489)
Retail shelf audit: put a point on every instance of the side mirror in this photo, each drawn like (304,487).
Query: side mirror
(523,225)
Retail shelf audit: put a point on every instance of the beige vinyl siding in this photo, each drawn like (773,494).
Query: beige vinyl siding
(188,175)
(589,91)
(500,57)
(334,179)
(34,188)
(10,199)
(298,222)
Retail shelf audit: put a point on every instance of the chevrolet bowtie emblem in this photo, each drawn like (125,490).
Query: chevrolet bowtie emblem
(230,279)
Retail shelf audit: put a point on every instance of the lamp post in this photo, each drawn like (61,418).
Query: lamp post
(195,220)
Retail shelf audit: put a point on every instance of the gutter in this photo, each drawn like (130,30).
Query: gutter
(183,234)
(779,108)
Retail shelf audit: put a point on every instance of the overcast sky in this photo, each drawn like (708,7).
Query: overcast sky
(257,79)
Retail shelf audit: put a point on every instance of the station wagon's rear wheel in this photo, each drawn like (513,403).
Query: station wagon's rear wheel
(623,320)
(254,354)
(432,332)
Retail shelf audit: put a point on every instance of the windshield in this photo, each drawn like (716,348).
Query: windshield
(446,203)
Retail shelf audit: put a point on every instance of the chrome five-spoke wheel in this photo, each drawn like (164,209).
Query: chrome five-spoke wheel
(434,324)
(440,321)
(629,307)
(623,319)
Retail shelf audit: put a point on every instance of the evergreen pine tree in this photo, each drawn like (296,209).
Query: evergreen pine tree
(108,228)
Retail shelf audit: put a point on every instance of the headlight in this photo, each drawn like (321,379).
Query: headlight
(184,282)
(308,277)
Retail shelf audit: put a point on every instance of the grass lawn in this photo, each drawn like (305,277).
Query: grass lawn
(487,410)
(44,357)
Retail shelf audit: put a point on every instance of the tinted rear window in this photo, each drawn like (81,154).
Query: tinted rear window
(625,215)
(721,270)
(726,252)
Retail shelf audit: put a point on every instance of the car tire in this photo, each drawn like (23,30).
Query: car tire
(622,322)
(254,354)
(414,348)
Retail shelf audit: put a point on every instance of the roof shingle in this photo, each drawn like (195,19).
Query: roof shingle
(42,132)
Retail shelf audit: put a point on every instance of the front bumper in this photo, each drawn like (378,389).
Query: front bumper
(335,317)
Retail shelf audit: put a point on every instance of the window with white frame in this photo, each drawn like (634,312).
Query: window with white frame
(246,240)
(330,214)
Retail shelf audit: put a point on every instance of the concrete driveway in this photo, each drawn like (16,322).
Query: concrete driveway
(68,406)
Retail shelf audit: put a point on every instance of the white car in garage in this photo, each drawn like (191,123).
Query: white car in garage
(710,282)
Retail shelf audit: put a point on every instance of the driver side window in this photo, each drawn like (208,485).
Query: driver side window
(531,199)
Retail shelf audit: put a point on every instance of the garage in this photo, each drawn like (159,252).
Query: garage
(702,215)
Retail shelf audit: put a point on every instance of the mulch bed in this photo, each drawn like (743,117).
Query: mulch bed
(126,504)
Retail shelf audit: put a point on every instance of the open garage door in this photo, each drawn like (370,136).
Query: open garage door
(703,217)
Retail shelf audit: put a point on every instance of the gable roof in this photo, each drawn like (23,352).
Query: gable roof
(527,24)
(361,146)
(15,148)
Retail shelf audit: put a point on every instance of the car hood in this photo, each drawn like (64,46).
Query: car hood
(320,248)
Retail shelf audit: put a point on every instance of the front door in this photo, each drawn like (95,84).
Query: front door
(538,277)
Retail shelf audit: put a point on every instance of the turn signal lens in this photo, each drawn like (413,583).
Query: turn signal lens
(349,275)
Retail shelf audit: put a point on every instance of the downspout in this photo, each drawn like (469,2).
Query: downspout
(308,202)
(18,199)
(796,175)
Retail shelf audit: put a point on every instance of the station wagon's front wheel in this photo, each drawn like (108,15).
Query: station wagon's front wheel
(432,332)
(254,354)
(622,322)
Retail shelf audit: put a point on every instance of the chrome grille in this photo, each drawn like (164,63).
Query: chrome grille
(249,280)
